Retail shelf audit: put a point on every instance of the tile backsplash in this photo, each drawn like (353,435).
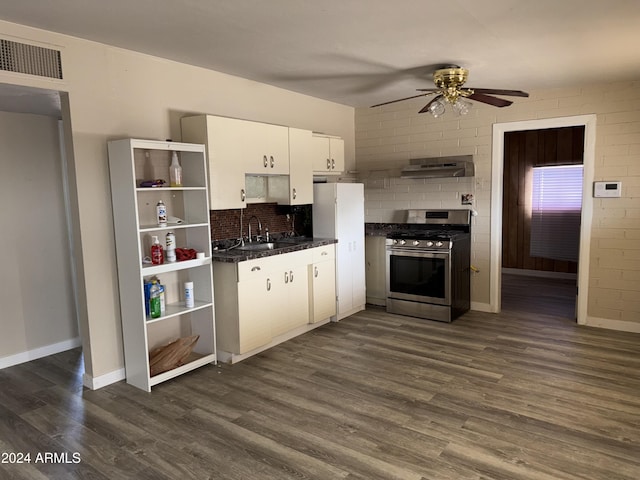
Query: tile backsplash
(279,219)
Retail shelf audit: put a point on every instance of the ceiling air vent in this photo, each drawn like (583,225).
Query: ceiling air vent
(23,58)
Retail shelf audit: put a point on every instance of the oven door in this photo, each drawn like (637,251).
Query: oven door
(419,276)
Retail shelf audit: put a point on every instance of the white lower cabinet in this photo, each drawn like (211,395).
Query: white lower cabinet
(265,301)
(322,281)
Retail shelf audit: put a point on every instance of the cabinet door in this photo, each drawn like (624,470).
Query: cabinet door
(336,154)
(328,155)
(265,148)
(323,280)
(223,140)
(320,154)
(296,313)
(350,248)
(256,298)
(300,167)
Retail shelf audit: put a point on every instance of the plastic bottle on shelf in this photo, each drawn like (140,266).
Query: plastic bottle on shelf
(157,253)
(175,171)
(188,295)
(170,247)
(154,300)
(161,212)
(163,304)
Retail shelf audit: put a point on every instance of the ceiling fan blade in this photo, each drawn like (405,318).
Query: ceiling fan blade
(400,100)
(508,93)
(428,89)
(426,107)
(496,102)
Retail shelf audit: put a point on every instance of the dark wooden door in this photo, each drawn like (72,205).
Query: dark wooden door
(522,151)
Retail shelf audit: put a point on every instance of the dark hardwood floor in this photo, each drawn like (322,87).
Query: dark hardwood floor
(551,296)
(515,396)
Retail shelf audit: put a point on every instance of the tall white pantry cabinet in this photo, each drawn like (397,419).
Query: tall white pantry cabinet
(135,222)
(338,212)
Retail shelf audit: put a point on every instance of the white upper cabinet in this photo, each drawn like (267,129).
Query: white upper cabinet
(328,154)
(265,148)
(297,187)
(223,139)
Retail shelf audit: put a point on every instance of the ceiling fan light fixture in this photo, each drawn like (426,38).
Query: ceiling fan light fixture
(436,108)
(462,106)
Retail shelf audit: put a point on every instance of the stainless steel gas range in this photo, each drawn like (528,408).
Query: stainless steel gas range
(428,265)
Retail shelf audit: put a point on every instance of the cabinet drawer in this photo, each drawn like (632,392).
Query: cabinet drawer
(257,267)
(275,263)
(326,252)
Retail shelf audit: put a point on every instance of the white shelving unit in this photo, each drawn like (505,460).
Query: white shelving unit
(134,212)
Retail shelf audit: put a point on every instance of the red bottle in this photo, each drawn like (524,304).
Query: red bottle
(157,253)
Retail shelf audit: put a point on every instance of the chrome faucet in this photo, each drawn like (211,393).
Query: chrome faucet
(249,227)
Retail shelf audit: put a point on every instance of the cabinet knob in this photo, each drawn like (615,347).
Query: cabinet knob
(286,277)
(315,272)
(255,269)
(265,161)
(328,164)
(268,284)
(243,195)
(291,276)
(333,164)
(294,194)
(272,161)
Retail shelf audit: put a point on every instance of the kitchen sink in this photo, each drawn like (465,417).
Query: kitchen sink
(257,246)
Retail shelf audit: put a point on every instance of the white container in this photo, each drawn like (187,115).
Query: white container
(170,247)
(189,302)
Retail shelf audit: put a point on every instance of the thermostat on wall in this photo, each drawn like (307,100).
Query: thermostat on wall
(607,189)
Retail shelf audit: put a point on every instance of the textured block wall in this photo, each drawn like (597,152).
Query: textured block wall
(387,137)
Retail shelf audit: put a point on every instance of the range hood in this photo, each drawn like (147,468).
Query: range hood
(439,167)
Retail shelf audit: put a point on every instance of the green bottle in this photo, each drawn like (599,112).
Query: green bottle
(154,300)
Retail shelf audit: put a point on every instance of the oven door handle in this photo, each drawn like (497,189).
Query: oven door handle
(417,253)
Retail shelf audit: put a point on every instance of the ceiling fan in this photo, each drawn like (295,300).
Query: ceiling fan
(449,81)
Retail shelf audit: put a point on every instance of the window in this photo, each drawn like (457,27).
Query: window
(556,207)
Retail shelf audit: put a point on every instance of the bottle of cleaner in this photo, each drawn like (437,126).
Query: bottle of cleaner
(170,247)
(163,304)
(189,301)
(154,300)
(157,253)
(161,212)
(175,171)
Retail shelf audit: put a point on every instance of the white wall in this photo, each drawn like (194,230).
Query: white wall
(114,93)
(36,298)
(387,137)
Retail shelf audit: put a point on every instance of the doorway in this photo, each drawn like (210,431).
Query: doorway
(542,201)
(40,315)
(497,193)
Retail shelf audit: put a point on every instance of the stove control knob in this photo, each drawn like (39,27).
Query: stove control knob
(416,243)
(429,243)
(402,242)
(395,242)
(439,244)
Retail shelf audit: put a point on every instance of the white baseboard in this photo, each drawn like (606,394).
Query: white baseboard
(40,352)
(94,383)
(620,325)
(540,273)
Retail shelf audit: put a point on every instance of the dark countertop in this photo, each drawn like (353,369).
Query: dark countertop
(284,246)
(382,229)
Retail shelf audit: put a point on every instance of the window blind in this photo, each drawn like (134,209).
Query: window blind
(556,206)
